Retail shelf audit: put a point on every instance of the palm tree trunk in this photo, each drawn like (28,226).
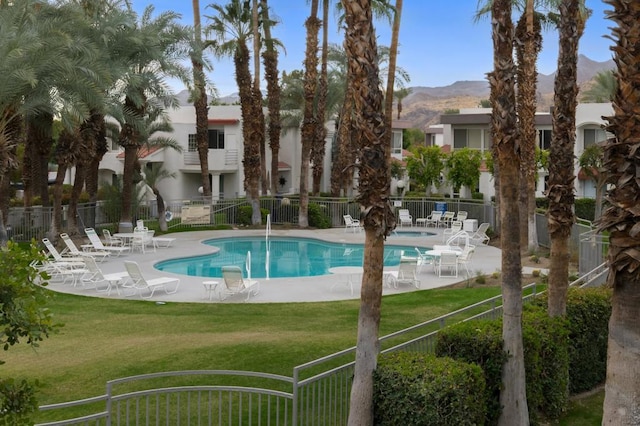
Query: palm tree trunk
(270,60)
(310,119)
(257,98)
(561,164)
(527,49)
(513,397)
(318,148)
(200,101)
(375,177)
(622,399)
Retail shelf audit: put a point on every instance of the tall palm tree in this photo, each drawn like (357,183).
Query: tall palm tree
(258,118)
(622,400)
(391,74)
(318,146)
(561,167)
(199,96)
(378,217)
(270,60)
(513,398)
(310,118)
(233,30)
(152,177)
(158,46)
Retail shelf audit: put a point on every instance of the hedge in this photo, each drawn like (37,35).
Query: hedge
(412,388)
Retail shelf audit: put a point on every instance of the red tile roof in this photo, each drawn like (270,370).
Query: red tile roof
(143,151)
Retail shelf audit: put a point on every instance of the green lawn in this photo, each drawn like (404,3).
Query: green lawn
(104,339)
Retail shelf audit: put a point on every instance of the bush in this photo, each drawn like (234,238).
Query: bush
(542,203)
(588,312)
(245,213)
(420,389)
(318,217)
(585,208)
(477,196)
(545,357)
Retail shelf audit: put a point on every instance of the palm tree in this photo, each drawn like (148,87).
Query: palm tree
(379,219)
(561,167)
(504,129)
(391,74)
(622,399)
(233,30)
(158,45)
(257,122)
(590,162)
(152,176)
(603,88)
(310,119)
(199,96)
(270,60)
(318,146)
(400,94)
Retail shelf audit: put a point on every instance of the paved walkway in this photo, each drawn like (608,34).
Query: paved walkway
(312,289)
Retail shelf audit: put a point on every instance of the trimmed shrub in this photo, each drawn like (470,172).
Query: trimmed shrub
(545,353)
(245,212)
(412,388)
(318,217)
(588,312)
(585,208)
(479,342)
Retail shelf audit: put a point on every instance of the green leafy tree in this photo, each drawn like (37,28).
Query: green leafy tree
(603,88)
(591,164)
(426,165)
(24,318)
(463,168)
(412,137)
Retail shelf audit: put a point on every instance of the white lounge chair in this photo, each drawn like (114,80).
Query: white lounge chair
(95,277)
(406,272)
(461,216)
(404,217)
(74,251)
(58,257)
(448,264)
(141,284)
(456,226)
(96,242)
(110,240)
(434,219)
(465,258)
(447,218)
(351,223)
(234,283)
(480,236)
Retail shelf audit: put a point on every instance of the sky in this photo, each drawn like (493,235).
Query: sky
(439,41)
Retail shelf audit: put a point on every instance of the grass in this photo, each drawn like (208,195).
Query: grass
(105,339)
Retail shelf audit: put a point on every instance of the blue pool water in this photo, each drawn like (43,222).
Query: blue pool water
(412,233)
(289,257)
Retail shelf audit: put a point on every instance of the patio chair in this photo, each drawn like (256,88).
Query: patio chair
(74,251)
(110,240)
(423,259)
(461,216)
(95,277)
(447,218)
(456,226)
(406,272)
(97,244)
(434,219)
(234,283)
(448,264)
(404,217)
(142,238)
(480,236)
(141,284)
(57,256)
(351,223)
(464,259)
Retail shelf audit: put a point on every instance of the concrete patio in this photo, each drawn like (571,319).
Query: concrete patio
(487,260)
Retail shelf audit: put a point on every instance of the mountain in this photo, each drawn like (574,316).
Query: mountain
(425,104)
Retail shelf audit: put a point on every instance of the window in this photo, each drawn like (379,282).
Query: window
(396,143)
(592,136)
(216,140)
(544,139)
(469,138)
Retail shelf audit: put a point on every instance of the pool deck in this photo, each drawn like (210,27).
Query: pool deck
(277,290)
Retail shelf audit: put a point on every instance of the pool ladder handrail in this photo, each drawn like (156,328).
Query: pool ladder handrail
(267,245)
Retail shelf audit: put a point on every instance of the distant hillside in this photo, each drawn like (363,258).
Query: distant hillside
(425,104)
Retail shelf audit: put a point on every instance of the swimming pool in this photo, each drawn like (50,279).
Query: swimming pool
(412,233)
(289,257)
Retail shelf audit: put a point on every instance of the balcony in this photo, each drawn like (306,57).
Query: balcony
(219,159)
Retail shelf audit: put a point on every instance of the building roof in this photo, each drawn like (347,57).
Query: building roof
(283,166)
(223,121)
(143,151)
